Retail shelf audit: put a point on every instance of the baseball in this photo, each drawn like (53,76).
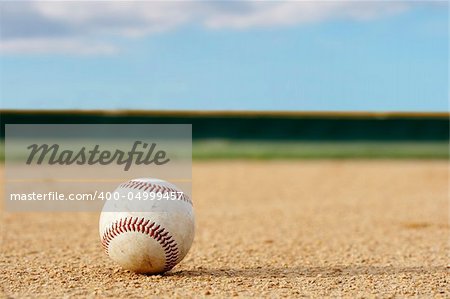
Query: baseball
(148,227)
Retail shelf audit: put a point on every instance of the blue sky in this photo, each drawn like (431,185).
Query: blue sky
(327,56)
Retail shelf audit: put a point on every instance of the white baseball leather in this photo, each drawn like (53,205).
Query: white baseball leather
(150,236)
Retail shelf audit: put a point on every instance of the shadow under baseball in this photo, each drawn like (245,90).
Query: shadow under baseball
(291,272)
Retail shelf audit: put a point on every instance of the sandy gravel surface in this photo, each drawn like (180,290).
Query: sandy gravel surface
(272,229)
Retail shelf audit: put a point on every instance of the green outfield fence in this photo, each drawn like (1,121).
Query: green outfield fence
(265,135)
(314,126)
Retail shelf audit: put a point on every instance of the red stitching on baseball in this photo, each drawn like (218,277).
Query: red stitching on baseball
(155,188)
(144,226)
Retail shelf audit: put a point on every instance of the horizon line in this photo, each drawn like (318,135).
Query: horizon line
(230,113)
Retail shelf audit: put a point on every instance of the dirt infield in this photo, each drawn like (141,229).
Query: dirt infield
(266,229)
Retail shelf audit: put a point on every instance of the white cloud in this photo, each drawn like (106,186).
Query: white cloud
(73,26)
(117,17)
(291,13)
(69,46)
